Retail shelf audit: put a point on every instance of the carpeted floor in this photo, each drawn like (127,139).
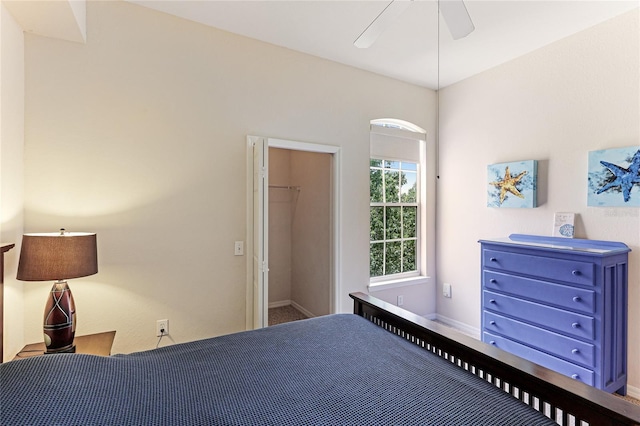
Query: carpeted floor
(284,314)
(630,399)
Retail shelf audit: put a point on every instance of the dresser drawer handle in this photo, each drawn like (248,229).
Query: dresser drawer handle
(576,272)
(492,301)
(575,351)
(493,259)
(493,281)
(575,376)
(575,325)
(577,299)
(493,342)
(492,322)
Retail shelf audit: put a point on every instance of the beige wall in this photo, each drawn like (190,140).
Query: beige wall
(553,105)
(140,136)
(11,172)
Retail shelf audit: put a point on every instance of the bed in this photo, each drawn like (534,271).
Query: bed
(381,366)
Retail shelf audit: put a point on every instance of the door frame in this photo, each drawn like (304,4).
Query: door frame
(334,285)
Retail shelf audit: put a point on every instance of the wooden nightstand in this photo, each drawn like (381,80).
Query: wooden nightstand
(94,344)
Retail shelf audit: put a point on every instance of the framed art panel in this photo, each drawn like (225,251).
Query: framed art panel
(512,185)
(614,177)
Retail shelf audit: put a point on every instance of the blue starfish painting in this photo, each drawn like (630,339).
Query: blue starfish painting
(614,177)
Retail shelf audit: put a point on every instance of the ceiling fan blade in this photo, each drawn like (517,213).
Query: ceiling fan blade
(383,21)
(457,17)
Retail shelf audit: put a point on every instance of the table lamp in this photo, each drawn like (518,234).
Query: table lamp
(58,256)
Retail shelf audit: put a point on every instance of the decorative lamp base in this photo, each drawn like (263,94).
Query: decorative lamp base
(71,350)
(59,319)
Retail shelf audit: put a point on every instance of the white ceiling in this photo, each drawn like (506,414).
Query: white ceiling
(65,20)
(409,49)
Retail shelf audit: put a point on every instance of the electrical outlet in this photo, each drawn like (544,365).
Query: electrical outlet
(446,290)
(400,300)
(162,327)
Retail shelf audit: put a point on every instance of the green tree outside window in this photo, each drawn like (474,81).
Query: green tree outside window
(393,217)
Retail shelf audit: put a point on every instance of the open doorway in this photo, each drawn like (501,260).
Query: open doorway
(299,235)
(292,228)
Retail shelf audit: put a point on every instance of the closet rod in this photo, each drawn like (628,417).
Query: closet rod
(297,188)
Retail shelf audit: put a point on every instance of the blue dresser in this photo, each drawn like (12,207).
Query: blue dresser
(559,302)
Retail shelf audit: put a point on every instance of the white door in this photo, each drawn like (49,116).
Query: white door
(260,226)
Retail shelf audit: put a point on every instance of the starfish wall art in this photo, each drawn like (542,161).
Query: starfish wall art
(614,177)
(512,184)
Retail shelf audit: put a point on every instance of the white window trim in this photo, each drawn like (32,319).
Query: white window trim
(401,128)
(398,282)
(426,224)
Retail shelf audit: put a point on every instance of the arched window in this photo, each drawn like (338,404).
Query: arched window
(394,123)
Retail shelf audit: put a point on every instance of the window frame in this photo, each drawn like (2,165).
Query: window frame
(395,132)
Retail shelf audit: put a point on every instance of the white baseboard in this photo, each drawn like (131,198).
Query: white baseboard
(460,326)
(308,313)
(281,303)
(633,392)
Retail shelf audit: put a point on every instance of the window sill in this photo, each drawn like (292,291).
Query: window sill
(402,282)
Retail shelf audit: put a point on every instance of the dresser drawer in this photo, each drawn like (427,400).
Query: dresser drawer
(553,343)
(565,296)
(570,271)
(565,322)
(563,367)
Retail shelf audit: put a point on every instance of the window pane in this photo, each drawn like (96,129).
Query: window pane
(409,256)
(394,223)
(375,185)
(376,223)
(393,258)
(391,164)
(409,187)
(409,166)
(392,186)
(393,229)
(376,259)
(409,222)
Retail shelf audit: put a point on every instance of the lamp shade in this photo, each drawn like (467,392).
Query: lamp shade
(57,256)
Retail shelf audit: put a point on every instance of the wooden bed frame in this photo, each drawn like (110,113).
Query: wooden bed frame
(566,401)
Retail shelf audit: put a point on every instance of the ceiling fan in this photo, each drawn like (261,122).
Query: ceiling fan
(454,13)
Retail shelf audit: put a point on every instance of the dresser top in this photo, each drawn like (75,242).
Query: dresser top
(562,244)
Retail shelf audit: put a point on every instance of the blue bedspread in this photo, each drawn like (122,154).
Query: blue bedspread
(334,370)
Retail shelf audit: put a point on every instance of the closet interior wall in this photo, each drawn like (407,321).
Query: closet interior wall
(300,230)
